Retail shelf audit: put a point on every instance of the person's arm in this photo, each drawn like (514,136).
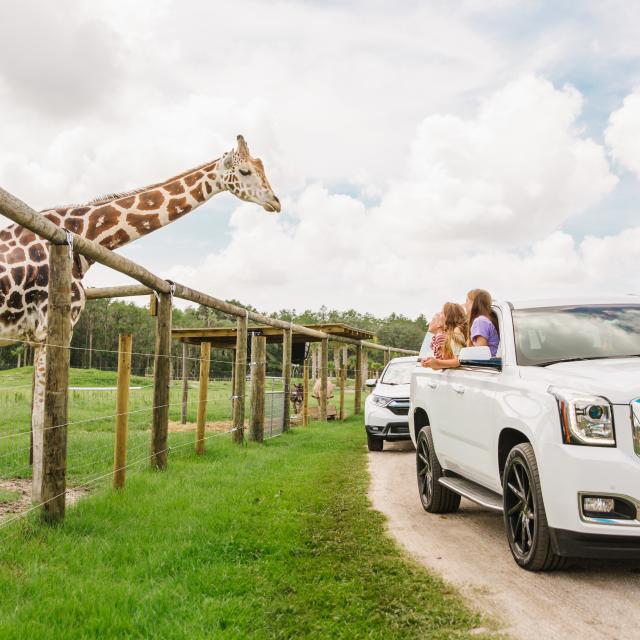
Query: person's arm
(480,341)
(480,332)
(435,363)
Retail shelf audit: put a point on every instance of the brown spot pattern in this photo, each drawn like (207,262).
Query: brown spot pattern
(125,203)
(177,207)
(79,211)
(74,224)
(17,273)
(27,237)
(144,223)
(174,188)
(150,200)
(115,240)
(193,178)
(102,219)
(37,253)
(208,187)
(16,255)
(197,193)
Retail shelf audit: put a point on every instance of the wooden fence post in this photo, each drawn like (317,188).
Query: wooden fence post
(239,380)
(287,339)
(305,394)
(53,460)
(122,410)
(161,383)
(365,367)
(324,372)
(357,403)
(205,357)
(341,380)
(258,371)
(185,383)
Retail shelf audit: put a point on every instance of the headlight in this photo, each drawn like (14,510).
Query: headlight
(585,419)
(380,401)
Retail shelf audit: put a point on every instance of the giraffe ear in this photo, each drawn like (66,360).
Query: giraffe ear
(227,160)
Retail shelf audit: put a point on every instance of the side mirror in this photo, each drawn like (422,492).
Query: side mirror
(371,383)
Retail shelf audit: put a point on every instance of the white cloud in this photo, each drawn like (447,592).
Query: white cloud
(623,133)
(480,206)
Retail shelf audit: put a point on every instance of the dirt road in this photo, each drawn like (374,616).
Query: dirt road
(468,549)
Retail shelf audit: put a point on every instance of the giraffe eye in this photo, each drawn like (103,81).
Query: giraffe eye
(245,172)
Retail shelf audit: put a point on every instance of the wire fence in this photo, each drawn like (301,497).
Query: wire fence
(91,424)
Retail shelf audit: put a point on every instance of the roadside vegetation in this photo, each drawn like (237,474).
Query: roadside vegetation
(271,541)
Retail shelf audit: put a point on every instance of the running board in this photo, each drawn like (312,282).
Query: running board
(474,492)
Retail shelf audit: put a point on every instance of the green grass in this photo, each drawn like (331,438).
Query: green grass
(7,496)
(271,541)
(92,425)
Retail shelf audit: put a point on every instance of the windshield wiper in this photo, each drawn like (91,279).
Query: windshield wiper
(550,362)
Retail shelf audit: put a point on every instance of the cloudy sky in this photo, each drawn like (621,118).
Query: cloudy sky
(420,149)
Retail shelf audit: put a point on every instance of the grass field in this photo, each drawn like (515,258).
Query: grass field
(271,541)
(92,423)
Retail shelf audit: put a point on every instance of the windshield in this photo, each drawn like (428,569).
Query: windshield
(545,336)
(398,372)
(425,349)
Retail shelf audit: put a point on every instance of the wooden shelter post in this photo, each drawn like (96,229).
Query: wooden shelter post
(239,380)
(305,393)
(287,341)
(324,372)
(258,372)
(160,424)
(185,383)
(358,380)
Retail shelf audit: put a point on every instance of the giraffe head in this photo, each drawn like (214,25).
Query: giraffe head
(244,176)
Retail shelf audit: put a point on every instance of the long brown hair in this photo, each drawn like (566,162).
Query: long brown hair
(455,326)
(481,303)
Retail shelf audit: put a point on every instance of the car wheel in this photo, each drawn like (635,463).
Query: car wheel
(525,519)
(374,444)
(435,497)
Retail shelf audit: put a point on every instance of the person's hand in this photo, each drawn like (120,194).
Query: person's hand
(427,362)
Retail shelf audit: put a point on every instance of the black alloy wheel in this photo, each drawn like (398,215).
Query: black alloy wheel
(525,518)
(435,498)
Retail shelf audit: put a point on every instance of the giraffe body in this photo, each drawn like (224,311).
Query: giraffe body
(112,221)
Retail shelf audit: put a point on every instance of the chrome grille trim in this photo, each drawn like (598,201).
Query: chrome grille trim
(635,424)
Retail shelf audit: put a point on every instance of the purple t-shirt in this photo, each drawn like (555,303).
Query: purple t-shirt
(482,326)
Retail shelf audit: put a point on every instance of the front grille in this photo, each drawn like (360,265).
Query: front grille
(635,425)
(398,428)
(399,406)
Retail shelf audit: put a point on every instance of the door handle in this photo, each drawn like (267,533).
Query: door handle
(458,388)
(432,384)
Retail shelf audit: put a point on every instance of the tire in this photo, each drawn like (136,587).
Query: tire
(435,498)
(525,519)
(374,444)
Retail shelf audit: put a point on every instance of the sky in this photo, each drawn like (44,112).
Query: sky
(420,149)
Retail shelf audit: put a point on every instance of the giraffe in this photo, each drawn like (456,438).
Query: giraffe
(113,221)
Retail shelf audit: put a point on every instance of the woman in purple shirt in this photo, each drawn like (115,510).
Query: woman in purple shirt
(483,322)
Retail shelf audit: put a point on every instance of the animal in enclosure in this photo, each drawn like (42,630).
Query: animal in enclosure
(112,221)
(297,397)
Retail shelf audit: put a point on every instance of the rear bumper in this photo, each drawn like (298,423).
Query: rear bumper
(572,544)
(391,432)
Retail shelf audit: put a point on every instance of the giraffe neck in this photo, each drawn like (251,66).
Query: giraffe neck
(116,220)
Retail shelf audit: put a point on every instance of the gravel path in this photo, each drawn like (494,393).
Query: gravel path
(589,600)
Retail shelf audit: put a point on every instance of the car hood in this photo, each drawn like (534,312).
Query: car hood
(392,390)
(618,379)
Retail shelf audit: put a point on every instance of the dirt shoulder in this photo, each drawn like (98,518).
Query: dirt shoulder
(588,600)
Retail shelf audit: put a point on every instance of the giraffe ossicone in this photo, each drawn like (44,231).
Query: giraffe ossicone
(113,221)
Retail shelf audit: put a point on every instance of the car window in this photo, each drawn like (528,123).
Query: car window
(554,334)
(425,349)
(398,372)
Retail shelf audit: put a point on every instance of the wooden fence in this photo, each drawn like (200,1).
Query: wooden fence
(51,463)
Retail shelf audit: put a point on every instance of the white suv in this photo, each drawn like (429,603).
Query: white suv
(386,409)
(548,434)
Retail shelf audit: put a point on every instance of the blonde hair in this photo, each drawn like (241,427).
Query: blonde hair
(455,327)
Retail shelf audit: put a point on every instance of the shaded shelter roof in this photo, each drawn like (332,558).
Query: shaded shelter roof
(225,337)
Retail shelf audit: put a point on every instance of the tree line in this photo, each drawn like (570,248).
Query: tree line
(95,337)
